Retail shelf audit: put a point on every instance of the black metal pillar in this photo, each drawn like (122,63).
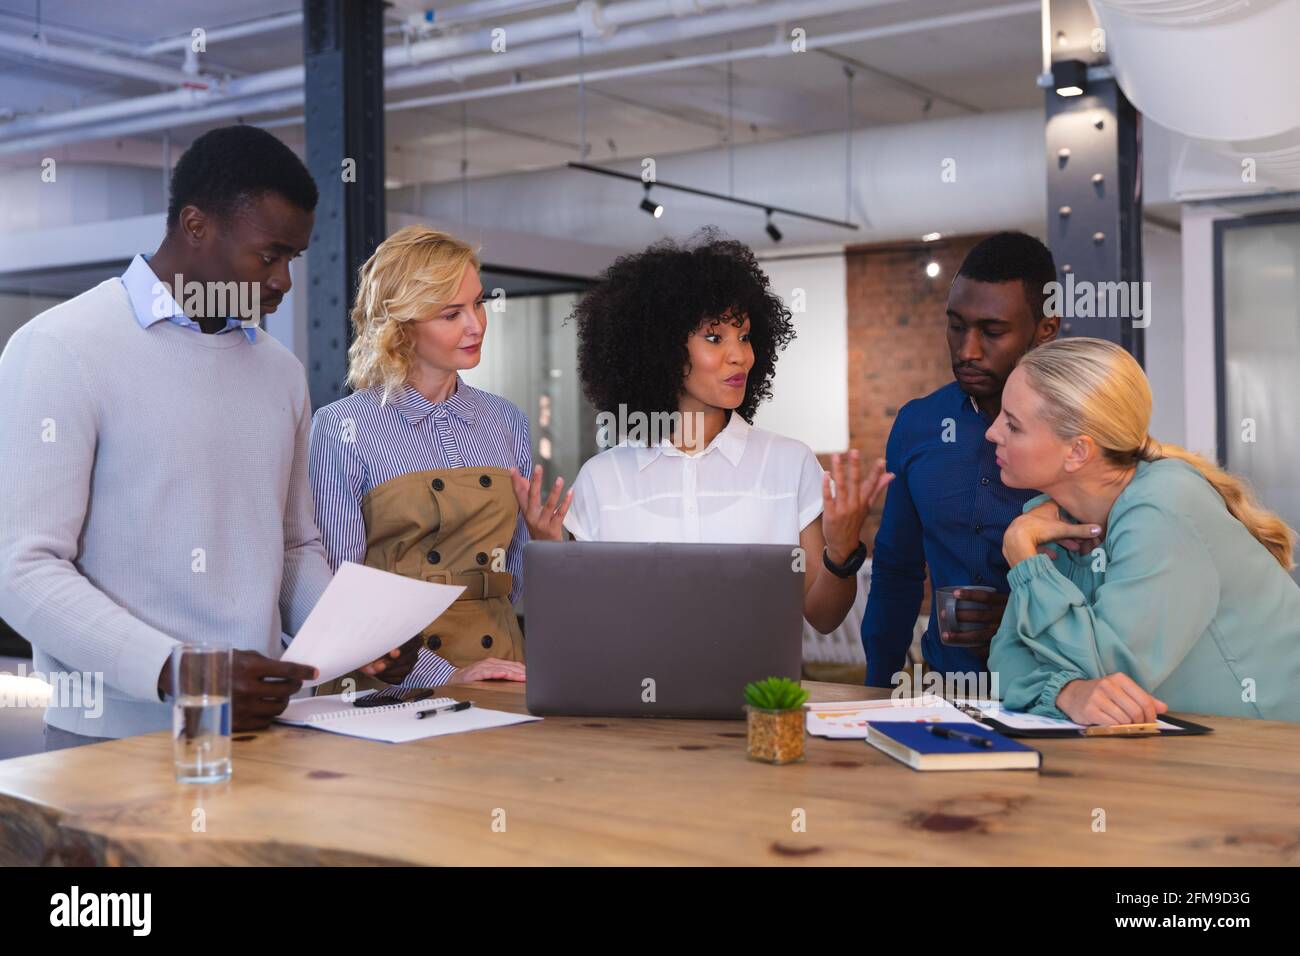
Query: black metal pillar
(344,93)
(1094,211)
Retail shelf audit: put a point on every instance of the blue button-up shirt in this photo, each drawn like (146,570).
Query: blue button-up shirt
(947,510)
(153,303)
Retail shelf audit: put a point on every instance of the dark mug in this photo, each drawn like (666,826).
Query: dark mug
(946,610)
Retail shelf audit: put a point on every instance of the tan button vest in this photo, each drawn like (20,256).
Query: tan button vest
(451,526)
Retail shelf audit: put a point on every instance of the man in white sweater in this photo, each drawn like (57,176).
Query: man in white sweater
(155,447)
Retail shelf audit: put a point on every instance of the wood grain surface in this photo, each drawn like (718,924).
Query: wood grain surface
(641,791)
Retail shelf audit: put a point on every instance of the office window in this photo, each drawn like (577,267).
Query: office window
(1258,323)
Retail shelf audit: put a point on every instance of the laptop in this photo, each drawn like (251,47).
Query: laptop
(615,629)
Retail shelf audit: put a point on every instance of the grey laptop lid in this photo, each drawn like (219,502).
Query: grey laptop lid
(658,630)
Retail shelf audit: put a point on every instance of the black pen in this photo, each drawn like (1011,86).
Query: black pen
(463,705)
(971,739)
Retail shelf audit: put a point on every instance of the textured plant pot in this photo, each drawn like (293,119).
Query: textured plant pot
(776,736)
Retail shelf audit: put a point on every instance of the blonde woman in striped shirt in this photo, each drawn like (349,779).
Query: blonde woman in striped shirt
(412,472)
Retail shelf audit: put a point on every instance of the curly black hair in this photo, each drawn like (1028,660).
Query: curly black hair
(232,165)
(633,325)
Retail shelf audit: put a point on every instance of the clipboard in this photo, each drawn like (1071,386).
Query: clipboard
(1181,728)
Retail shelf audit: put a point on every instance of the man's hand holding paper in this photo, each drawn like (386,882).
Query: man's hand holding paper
(363,616)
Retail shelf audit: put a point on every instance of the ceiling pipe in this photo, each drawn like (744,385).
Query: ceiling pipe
(587,18)
(30,25)
(667,30)
(242,96)
(40,49)
(395,57)
(422,19)
(776,48)
(235,31)
(216,112)
(157,103)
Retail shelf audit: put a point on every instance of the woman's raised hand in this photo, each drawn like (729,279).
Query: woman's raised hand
(545,521)
(844,512)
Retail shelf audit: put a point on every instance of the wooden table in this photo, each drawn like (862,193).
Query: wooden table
(629,791)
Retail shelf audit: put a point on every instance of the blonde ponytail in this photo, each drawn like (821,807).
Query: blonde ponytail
(1093,387)
(1270,530)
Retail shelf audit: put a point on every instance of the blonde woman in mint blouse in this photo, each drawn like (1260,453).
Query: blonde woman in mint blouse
(1145,579)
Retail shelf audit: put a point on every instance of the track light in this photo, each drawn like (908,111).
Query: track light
(656,209)
(772,231)
(649,205)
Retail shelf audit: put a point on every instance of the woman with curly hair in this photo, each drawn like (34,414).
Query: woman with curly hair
(412,471)
(689,335)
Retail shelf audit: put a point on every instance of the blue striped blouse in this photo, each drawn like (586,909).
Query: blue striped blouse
(358,444)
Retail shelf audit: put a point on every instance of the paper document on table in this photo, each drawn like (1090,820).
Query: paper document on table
(394,723)
(364,614)
(1019,720)
(848,718)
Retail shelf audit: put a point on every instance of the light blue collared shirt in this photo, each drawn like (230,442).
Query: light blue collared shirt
(153,303)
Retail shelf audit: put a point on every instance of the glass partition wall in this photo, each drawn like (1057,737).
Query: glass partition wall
(1257,264)
(530,356)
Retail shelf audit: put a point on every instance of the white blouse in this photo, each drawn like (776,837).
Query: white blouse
(749,486)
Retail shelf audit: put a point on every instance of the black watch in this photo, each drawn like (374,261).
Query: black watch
(849,567)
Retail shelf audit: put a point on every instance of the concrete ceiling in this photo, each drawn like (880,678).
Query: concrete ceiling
(951,71)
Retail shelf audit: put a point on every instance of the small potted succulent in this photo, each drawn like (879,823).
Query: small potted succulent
(776,719)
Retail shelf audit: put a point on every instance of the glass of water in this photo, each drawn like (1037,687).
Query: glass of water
(201,713)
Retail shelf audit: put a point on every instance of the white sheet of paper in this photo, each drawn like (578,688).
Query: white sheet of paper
(848,718)
(364,614)
(394,725)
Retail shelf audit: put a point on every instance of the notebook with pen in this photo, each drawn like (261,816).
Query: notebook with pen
(393,723)
(955,746)
(1015,723)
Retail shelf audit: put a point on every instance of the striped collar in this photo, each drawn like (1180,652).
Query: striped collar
(415,408)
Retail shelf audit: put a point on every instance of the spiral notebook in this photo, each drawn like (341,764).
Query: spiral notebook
(393,723)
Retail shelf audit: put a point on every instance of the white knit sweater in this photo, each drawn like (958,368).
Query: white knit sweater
(157,492)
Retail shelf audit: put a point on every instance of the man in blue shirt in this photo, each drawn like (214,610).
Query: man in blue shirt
(947,508)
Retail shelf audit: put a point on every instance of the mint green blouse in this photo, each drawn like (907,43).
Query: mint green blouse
(1179,596)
